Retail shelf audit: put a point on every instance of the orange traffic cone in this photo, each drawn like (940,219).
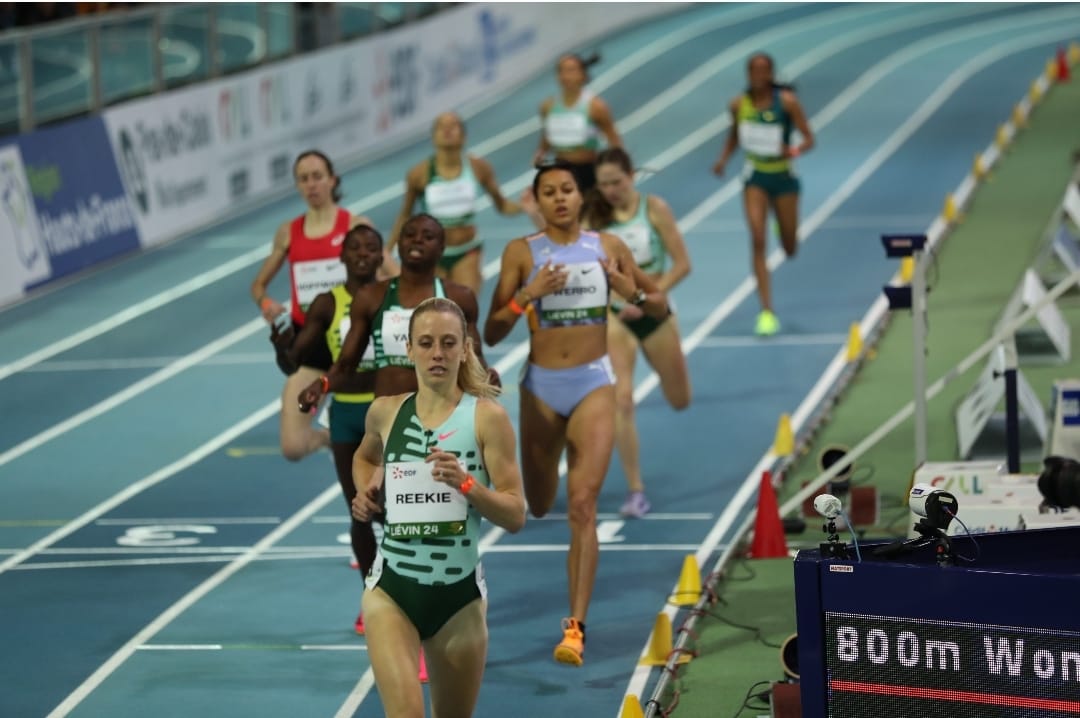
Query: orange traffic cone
(1062,66)
(769,541)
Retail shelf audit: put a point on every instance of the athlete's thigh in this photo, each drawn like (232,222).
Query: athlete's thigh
(393,647)
(467,271)
(455,661)
(756,208)
(543,438)
(622,349)
(591,438)
(663,351)
(786,208)
(291,416)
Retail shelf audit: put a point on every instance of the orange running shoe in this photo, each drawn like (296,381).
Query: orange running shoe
(360,624)
(423,667)
(571,650)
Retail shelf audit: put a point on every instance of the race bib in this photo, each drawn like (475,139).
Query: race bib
(566,129)
(761,139)
(450,199)
(418,506)
(395,332)
(636,238)
(584,296)
(313,277)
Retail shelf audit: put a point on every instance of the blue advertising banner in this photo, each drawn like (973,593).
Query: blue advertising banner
(82,210)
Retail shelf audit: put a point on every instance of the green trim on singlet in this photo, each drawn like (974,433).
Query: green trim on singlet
(436,560)
(391,302)
(656,244)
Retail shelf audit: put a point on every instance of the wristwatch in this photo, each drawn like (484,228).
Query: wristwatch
(638,297)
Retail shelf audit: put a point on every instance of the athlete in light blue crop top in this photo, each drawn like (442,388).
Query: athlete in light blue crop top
(560,279)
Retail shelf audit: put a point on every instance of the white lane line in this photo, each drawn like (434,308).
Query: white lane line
(131,391)
(789,340)
(216,520)
(253,647)
(617,72)
(134,311)
(658,516)
(145,483)
(951,84)
(191,598)
(563,547)
(178,561)
(125,364)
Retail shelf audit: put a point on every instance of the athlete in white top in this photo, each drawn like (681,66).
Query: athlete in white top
(449,186)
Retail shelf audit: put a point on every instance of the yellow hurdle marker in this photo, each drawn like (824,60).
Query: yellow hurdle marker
(854,341)
(631,708)
(907,269)
(1035,93)
(1051,69)
(1019,119)
(979,168)
(660,645)
(951,213)
(784,443)
(1074,53)
(688,591)
(1001,139)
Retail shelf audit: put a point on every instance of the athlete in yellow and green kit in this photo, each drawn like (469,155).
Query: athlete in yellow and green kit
(762,119)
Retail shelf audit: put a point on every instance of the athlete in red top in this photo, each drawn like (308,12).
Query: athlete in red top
(312,245)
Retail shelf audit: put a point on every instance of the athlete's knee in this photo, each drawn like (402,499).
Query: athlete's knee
(791,245)
(624,403)
(293,450)
(581,508)
(680,402)
(538,509)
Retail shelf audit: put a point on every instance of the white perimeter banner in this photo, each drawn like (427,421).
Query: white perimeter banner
(188,156)
(23,257)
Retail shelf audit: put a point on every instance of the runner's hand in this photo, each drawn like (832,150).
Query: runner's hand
(445,468)
(310,396)
(365,505)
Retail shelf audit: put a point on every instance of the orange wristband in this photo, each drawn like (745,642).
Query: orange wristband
(265,301)
(515,307)
(467,484)
(325,383)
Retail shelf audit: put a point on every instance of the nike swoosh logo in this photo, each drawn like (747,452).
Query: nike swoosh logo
(447,435)
(337,241)
(586,271)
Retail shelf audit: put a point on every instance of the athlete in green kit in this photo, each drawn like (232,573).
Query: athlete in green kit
(761,122)
(449,186)
(448,458)
(380,316)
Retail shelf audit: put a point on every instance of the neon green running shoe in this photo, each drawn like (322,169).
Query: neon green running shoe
(767,324)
